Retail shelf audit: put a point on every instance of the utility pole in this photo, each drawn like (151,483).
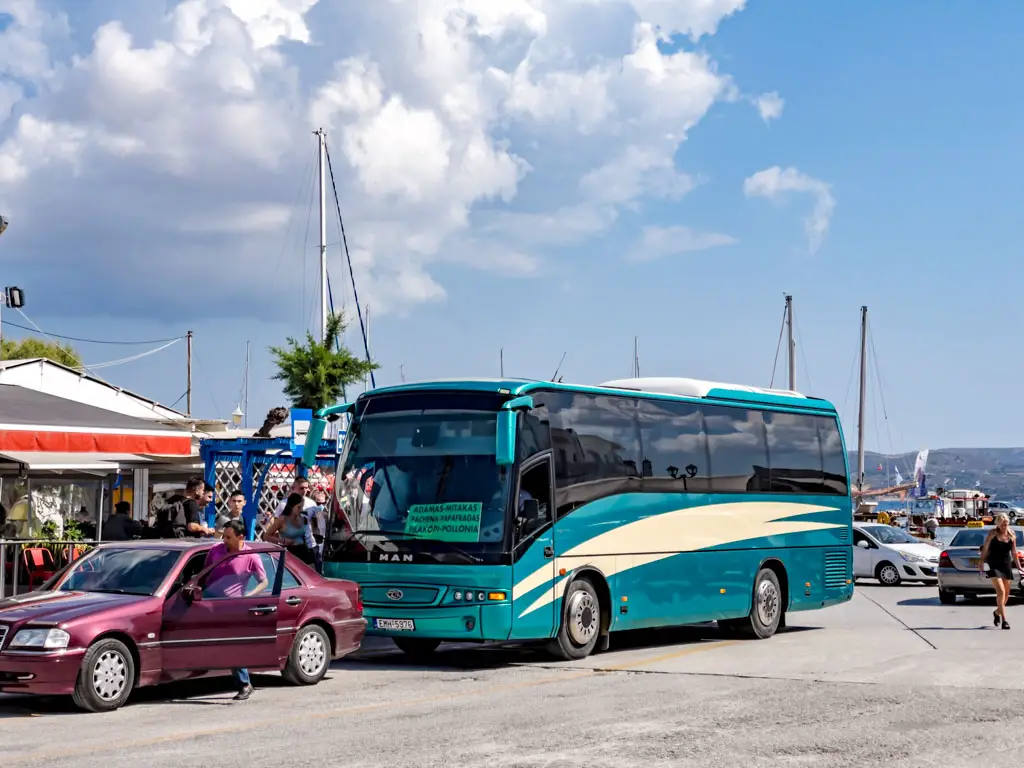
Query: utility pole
(322,139)
(188,375)
(792,344)
(863,396)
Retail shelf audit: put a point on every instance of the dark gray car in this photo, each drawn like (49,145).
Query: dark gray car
(959,572)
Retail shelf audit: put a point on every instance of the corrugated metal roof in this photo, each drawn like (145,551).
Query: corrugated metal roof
(28,407)
(43,361)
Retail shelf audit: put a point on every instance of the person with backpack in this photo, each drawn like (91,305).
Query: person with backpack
(181,515)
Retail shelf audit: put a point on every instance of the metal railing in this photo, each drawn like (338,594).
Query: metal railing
(12,557)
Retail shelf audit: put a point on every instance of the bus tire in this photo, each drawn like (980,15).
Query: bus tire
(418,648)
(580,627)
(766,608)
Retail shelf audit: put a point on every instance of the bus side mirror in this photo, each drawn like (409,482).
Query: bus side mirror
(505,436)
(505,445)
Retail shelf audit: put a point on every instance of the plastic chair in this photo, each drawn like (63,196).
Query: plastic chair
(39,565)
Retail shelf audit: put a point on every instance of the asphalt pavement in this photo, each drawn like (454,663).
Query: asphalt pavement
(891,678)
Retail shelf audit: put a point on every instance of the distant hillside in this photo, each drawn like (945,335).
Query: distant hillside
(1000,471)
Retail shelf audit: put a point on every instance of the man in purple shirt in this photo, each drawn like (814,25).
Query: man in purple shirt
(231,579)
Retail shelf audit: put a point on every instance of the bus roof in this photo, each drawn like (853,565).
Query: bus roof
(657,387)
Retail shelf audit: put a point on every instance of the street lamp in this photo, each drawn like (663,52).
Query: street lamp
(236,416)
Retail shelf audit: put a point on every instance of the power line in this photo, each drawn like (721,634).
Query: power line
(89,341)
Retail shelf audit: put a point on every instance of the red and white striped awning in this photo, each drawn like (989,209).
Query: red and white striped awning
(34,422)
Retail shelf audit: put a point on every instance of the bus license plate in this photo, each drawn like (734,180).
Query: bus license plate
(403,625)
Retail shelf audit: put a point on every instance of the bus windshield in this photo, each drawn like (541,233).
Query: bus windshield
(416,476)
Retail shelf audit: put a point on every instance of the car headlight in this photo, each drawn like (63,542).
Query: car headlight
(914,558)
(41,639)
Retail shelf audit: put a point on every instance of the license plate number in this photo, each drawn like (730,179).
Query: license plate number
(403,625)
(975,560)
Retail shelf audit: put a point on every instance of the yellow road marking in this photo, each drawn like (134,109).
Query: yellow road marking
(331,714)
(673,655)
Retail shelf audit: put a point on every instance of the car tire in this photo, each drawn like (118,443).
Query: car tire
(888,574)
(946,597)
(582,620)
(310,656)
(767,612)
(418,648)
(106,678)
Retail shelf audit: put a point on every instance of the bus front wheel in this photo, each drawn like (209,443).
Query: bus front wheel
(416,647)
(580,628)
(767,611)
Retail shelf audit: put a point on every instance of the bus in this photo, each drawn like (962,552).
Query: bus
(506,510)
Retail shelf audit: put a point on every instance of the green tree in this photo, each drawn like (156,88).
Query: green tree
(32,347)
(315,373)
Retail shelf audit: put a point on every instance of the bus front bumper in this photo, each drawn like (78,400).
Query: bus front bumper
(465,623)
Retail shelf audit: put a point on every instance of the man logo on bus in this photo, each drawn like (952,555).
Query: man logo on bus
(394,594)
(384,557)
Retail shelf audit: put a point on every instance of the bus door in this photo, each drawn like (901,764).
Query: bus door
(533,608)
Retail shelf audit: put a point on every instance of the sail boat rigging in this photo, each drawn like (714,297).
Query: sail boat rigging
(326,296)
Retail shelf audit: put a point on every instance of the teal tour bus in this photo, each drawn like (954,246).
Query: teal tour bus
(509,510)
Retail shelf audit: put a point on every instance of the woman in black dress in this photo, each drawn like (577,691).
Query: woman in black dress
(999,562)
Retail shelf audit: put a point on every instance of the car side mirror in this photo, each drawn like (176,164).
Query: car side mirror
(192,593)
(863,544)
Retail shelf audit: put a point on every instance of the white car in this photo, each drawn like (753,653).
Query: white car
(1003,507)
(892,555)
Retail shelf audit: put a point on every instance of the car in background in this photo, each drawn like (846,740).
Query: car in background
(959,563)
(892,555)
(134,614)
(1005,508)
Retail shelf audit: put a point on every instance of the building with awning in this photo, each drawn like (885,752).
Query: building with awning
(58,456)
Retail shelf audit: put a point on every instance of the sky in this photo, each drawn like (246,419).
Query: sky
(532,179)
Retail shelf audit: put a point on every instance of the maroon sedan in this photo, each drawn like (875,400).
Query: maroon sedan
(140,613)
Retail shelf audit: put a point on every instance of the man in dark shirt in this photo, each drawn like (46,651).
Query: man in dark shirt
(190,522)
(120,526)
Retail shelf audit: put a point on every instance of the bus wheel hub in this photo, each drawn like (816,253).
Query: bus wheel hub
(583,613)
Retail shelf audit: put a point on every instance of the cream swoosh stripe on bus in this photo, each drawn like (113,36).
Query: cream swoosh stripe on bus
(688,530)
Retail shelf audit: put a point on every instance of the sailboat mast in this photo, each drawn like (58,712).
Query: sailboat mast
(322,139)
(245,397)
(792,344)
(863,395)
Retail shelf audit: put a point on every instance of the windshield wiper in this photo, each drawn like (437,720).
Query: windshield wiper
(116,592)
(398,535)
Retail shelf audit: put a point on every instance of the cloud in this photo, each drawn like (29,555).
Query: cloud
(770,106)
(774,182)
(659,242)
(175,140)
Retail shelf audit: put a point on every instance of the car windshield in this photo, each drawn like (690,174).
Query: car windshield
(975,537)
(424,474)
(886,534)
(120,571)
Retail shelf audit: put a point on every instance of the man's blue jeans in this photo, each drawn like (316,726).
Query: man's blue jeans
(241,678)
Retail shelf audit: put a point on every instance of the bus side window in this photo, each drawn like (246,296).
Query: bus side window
(535,484)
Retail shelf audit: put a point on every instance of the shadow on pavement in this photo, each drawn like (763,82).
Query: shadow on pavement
(381,655)
(212,691)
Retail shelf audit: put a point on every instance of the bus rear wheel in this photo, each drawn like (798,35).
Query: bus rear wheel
(767,611)
(416,647)
(580,628)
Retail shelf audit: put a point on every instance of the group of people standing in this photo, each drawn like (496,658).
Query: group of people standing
(299,523)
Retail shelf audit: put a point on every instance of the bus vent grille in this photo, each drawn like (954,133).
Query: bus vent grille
(836,567)
(844,533)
